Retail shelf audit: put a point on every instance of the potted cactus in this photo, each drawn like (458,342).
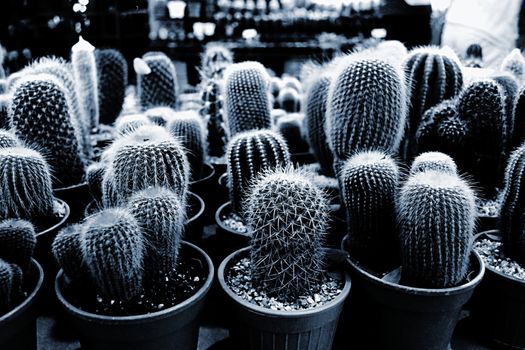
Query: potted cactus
(128,279)
(291,128)
(21,280)
(418,305)
(281,291)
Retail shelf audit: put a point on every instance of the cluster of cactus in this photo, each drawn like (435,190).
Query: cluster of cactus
(85,72)
(290,127)
(366,107)
(474,56)
(40,115)
(17,244)
(156,81)
(212,112)
(288,216)
(112,70)
(188,127)
(246,97)
(435,75)
(249,154)
(514,63)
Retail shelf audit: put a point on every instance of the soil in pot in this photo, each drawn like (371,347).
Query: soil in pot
(488,214)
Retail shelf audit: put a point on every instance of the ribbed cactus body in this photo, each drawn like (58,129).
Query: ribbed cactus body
(40,115)
(67,252)
(29,194)
(437,218)
(159,87)
(213,114)
(8,139)
(95,177)
(509,88)
(3,85)
(433,161)
(5,101)
(366,107)
(11,279)
(85,73)
(518,135)
(112,71)
(514,63)
(288,217)
(188,128)
(127,124)
(369,183)
(290,127)
(17,241)
(113,248)
(435,76)
(289,100)
(248,155)
(246,98)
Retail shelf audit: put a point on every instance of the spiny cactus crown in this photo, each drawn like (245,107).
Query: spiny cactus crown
(158,87)
(436,161)
(29,194)
(127,124)
(392,50)
(17,242)
(436,212)
(249,153)
(514,63)
(474,56)
(8,139)
(112,70)
(288,216)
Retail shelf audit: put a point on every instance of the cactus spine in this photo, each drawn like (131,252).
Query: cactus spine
(112,70)
(212,112)
(435,161)
(127,124)
(17,241)
(67,252)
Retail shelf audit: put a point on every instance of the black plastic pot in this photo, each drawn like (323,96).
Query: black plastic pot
(498,306)
(255,327)
(226,240)
(486,223)
(205,188)
(195,220)
(387,315)
(176,327)
(18,326)
(78,197)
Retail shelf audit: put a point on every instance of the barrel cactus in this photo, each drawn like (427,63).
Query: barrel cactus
(509,88)
(94,178)
(67,252)
(17,242)
(112,70)
(5,101)
(157,81)
(474,56)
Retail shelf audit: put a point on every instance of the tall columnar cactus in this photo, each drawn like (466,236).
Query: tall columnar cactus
(40,115)
(67,252)
(148,157)
(85,73)
(435,161)
(11,279)
(25,184)
(127,124)
(156,81)
(17,241)
(5,101)
(289,100)
(474,56)
(188,127)
(366,107)
(288,216)
(161,215)
(112,76)
(315,116)
(369,181)
(290,127)
(212,113)
(514,64)
(246,97)
(250,153)
(215,59)
(435,75)
(437,218)
(8,139)
(113,248)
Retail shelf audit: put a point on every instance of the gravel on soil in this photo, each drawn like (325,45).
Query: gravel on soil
(492,254)
(235,223)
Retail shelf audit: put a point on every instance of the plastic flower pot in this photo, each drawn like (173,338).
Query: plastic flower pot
(498,306)
(78,197)
(255,327)
(195,220)
(204,188)
(387,315)
(227,240)
(18,326)
(175,327)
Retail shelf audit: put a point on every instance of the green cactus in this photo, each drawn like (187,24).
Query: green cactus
(290,127)
(157,84)
(8,139)
(127,124)
(435,161)
(514,63)
(67,252)
(250,153)
(17,242)
(11,279)
(40,115)
(29,194)
(369,184)
(112,71)
(437,217)
(212,113)
(246,99)
(288,216)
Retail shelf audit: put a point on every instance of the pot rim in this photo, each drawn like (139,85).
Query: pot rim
(59,223)
(219,222)
(278,313)
(30,298)
(72,187)
(149,317)
(210,174)
(201,208)
(220,179)
(418,290)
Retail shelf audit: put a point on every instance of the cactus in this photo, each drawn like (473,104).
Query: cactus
(435,76)
(160,214)
(245,93)
(94,177)
(518,135)
(188,127)
(5,101)
(17,242)
(289,100)
(474,56)
(8,139)
(3,85)
(11,279)
(509,87)
(29,194)
(366,107)
(148,157)
(160,115)
(212,112)
(437,217)
(40,115)
(112,70)
(293,83)
(290,127)
(514,63)
(433,161)
(288,216)
(249,153)
(85,73)
(67,252)
(157,85)
(392,50)
(276,85)
(127,124)
(369,182)
(214,60)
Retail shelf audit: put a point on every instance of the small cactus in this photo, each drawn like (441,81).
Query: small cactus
(11,278)
(112,70)
(8,139)
(288,216)
(245,93)
(289,100)
(369,185)
(433,161)
(127,124)
(290,127)
(157,84)
(437,217)
(474,56)
(67,252)
(514,63)
(213,113)
(248,154)
(17,242)
(29,194)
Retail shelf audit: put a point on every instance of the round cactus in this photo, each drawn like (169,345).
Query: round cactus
(17,242)
(212,112)
(5,101)
(112,70)
(94,177)
(436,161)
(157,85)
(474,56)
